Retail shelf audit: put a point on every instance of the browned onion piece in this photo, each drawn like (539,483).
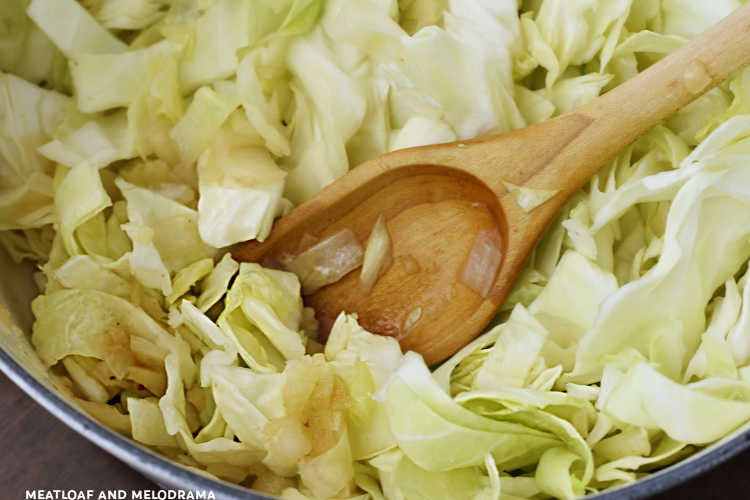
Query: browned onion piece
(327,261)
(412,318)
(483,262)
(377,256)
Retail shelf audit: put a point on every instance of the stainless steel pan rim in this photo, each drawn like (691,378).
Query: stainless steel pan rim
(682,471)
(171,475)
(159,469)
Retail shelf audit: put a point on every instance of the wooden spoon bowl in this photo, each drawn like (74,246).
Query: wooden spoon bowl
(437,199)
(425,206)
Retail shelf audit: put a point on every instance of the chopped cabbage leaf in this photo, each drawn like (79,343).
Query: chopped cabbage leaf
(437,434)
(567,315)
(216,284)
(106,81)
(414,482)
(92,323)
(330,109)
(79,197)
(173,406)
(26,51)
(514,353)
(691,18)
(696,413)
(29,117)
(364,361)
(195,131)
(529,198)
(84,272)
(670,299)
(98,143)
(164,219)
(72,28)
(262,314)
(186,277)
(421,131)
(141,139)
(216,36)
(240,193)
(264,111)
(128,14)
(147,423)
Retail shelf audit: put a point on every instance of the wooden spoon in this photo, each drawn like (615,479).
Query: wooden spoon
(437,199)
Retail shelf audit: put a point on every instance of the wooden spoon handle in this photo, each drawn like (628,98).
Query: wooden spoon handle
(631,109)
(564,153)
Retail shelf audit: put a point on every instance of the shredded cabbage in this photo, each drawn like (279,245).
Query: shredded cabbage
(140,139)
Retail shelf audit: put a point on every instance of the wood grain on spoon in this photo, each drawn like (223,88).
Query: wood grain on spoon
(436,199)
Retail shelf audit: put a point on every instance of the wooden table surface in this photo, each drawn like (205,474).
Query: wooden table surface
(39,452)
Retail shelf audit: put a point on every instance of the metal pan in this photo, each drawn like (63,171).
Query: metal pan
(19,362)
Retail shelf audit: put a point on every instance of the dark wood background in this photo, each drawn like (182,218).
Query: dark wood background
(39,452)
